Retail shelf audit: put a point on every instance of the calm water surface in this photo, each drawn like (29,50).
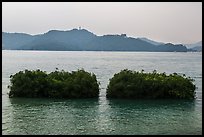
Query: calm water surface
(101,115)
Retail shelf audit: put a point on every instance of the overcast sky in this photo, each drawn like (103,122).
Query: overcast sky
(159,21)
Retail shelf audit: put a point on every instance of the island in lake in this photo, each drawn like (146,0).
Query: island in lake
(82,84)
(139,85)
(57,84)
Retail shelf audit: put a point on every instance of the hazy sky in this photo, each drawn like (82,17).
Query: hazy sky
(161,21)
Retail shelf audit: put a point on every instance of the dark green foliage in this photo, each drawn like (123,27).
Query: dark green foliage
(57,84)
(132,84)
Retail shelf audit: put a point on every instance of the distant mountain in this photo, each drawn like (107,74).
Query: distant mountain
(151,41)
(15,40)
(3,47)
(195,46)
(60,40)
(81,39)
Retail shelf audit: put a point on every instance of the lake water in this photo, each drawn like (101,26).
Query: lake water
(101,115)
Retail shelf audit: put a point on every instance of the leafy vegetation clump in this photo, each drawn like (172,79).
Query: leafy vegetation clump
(140,85)
(57,84)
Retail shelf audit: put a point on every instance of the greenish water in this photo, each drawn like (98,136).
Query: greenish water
(92,116)
(101,116)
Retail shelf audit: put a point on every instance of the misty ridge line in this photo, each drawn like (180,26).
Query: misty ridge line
(82,39)
(142,37)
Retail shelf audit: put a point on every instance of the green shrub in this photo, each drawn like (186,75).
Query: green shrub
(57,84)
(140,85)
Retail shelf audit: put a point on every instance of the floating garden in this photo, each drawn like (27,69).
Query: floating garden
(140,85)
(57,84)
(81,84)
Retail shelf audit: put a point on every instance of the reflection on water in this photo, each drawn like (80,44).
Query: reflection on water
(102,116)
